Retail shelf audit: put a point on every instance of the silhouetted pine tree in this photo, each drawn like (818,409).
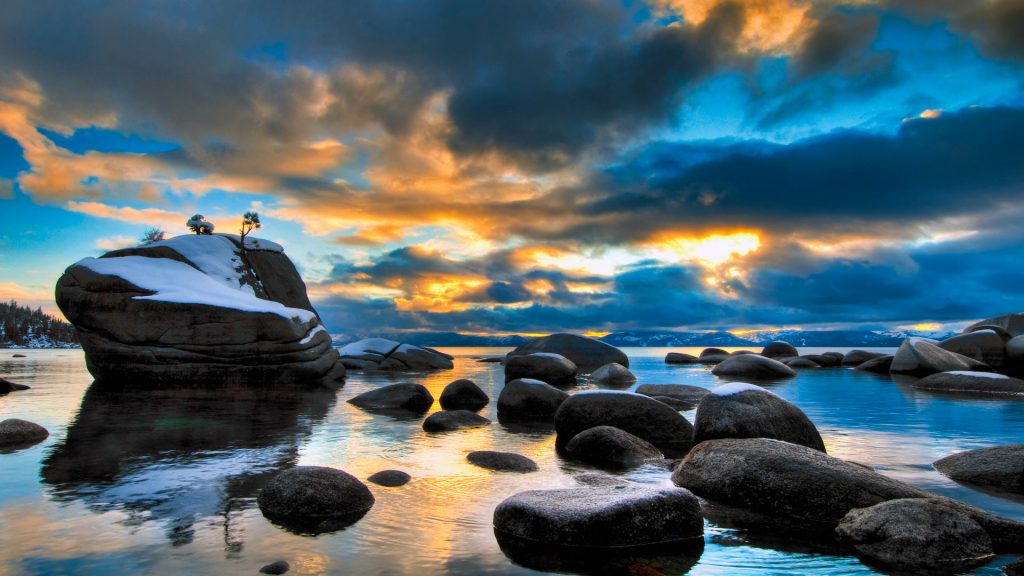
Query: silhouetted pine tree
(23,326)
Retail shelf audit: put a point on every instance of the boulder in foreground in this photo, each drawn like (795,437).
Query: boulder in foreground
(17,432)
(639,415)
(315,499)
(741,410)
(999,466)
(752,367)
(403,396)
(585,352)
(463,395)
(528,399)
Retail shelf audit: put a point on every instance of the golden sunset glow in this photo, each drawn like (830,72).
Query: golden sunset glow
(713,250)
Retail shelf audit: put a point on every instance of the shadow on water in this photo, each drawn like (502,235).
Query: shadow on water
(669,558)
(176,455)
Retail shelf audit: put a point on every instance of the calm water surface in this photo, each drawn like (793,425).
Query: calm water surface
(164,482)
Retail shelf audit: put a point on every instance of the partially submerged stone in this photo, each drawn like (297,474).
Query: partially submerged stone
(971,383)
(752,367)
(613,374)
(502,461)
(449,420)
(998,466)
(315,499)
(686,397)
(746,411)
(463,395)
(389,355)
(921,357)
(610,447)
(403,396)
(585,352)
(639,415)
(390,478)
(554,369)
(528,399)
(16,432)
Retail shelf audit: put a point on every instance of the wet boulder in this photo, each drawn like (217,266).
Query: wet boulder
(315,499)
(686,397)
(610,447)
(554,369)
(403,396)
(602,516)
(752,367)
(857,357)
(639,415)
(1001,467)
(502,461)
(613,375)
(920,357)
(877,365)
(527,399)
(827,360)
(390,478)
(971,382)
(389,355)
(712,356)
(982,345)
(779,349)
(1013,324)
(918,534)
(800,363)
(585,352)
(17,432)
(463,395)
(449,420)
(740,410)
(680,358)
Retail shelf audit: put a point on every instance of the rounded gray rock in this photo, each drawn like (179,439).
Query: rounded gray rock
(15,432)
(449,420)
(390,478)
(402,396)
(752,367)
(639,415)
(585,352)
(610,447)
(877,365)
(502,461)
(463,395)
(779,349)
(998,466)
(680,358)
(547,367)
(799,363)
(983,345)
(315,499)
(971,382)
(857,357)
(528,399)
(746,411)
(613,375)
(686,397)
(920,357)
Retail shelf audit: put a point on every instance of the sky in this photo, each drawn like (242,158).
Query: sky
(518,166)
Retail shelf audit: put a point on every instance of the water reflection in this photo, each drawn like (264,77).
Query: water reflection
(671,558)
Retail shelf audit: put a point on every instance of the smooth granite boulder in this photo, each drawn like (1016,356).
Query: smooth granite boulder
(857,357)
(610,447)
(390,478)
(585,352)
(827,360)
(554,369)
(686,397)
(752,367)
(878,365)
(921,357)
(971,382)
(315,499)
(680,358)
(639,415)
(917,534)
(449,420)
(1012,323)
(797,485)
(528,399)
(602,516)
(779,349)
(712,356)
(998,466)
(502,461)
(613,375)
(982,345)
(193,309)
(17,432)
(463,395)
(739,410)
(389,355)
(800,363)
(404,396)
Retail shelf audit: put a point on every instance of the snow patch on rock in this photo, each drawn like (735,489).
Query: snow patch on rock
(737,387)
(992,375)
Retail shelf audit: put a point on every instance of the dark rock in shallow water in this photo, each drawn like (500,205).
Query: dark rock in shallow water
(639,415)
(6,386)
(610,447)
(528,399)
(315,499)
(502,461)
(279,567)
(971,382)
(686,397)
(920,357)
(602,516)
(449,420)
(19,356)
(599,479)
(390,478)
(492,360)
(802,363)
(680,358)
(982,345)
(999,466)
(878,365)
(916,534)
(1015,568)
(1013,324)
(554,369)
(613,375)
(826,360)
(388,355)
(463,395)
(712,356)
(16,432)
(857,357)
(191,309)
(404,396)
(746,411)
(753,367)
(802,486)
(585,352)
(779,350)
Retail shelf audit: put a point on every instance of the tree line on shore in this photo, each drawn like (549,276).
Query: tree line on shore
(23,326)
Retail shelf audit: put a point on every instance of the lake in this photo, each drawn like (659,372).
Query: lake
(165,482)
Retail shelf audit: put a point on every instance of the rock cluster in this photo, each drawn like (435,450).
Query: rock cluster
(585,352)
(388,355)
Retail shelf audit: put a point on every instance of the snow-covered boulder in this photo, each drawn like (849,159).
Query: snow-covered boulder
(384,354)
(192,310)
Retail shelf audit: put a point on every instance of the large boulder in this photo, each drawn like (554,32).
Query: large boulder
(17,432)
(1012,323)
(971,382)
(752,367)
(920,357)
(712,356)
(613,375)
(779,349)
(685,397)
(585,352)
(384,354)
(610,447)
(639,415)
(602,516)
(982,345)
(193,309)
(878,365)
(740,410)
(554,369)
(315,499)
(449,420)
(797,485)
(916,534)
(999,466)
(858,357)
(527,399)
(404,396)
(826,360)
(463,395)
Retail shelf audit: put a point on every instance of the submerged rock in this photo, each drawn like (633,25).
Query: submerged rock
(753,367)
(463,395)
(613,375)
(315,499)
(384,354)
(919,356)
(528,399)
(279,567)
(6,386)
(746,411)
(16,432)
(390,478)
(502,461)
(639,415)
(999,466)
(712,356)
(802,363)
(916,534)
(601,516)
(585,352)
(779,349)
(680,358)
(192,310)
(610,447)
(971,382)
(554,369)
(686,397)
(403,396)
(878,365)
(857,357)
(448,420)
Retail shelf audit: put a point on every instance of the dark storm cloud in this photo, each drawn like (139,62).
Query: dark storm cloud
(995,26)
(840,42)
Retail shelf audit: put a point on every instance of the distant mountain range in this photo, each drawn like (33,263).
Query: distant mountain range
(667,338)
